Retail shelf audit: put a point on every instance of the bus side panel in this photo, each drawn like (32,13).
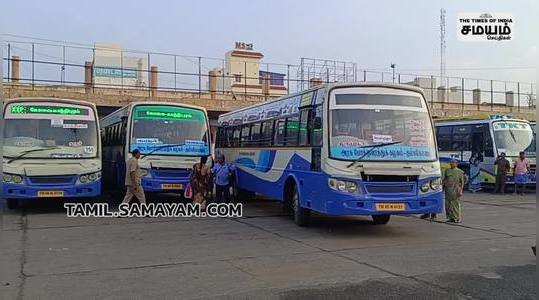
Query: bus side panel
(265,171)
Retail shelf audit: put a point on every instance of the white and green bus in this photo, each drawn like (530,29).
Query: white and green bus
(51,149)
(170,136)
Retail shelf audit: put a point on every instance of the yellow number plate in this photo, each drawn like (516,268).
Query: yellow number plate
(390,206)
(50,193)
(172,186)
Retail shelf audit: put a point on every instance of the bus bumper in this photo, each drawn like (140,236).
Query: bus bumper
(349,205)
(25,191)
(154,185)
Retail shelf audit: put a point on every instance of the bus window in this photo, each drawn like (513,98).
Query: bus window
(236,136)
(245,130)
(443,135)
(267,134)
(229,137)
(279,133)
(255,134)
(320,96)
(462,138)
(303,127)
(316,127)
(292,128)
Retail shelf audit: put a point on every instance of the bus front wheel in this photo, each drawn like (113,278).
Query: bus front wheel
(12,203)
(301,215)
(380,219)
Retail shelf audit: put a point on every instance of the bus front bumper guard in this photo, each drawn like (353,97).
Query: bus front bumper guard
(22,191)
(347,205)
(154,185)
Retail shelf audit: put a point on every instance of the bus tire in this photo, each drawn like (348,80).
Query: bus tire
(301,215)
(12,203)
(380,219)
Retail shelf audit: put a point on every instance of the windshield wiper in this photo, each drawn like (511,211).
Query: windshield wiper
(30,151)
(162,147)
(370,150)
(510,131)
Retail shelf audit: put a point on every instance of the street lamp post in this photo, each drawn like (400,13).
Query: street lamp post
(393,68)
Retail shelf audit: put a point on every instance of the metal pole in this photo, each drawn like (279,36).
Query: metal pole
(491,95)
(462,100)
(288,79)
(9,61)
(199,76)
(245,78)
(432,91)
(175,73)
(223,77)
(518,96)
(148,75)
(327,75)
(364,75)
(530,104)
(93,68)
(122,68)
(399,78)
(33,66)
(63,63)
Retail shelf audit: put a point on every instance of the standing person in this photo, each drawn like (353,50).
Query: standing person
(222,173)
(133,178)
(522,167)
(502,167)
(201,182)
(453,181)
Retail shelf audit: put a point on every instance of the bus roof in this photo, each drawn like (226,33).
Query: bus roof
(124,110)
(331,86)
(467,122)
(51,99)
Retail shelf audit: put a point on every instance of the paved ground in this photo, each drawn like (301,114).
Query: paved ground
(264,255)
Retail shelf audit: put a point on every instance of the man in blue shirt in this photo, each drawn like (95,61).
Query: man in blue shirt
(223,174)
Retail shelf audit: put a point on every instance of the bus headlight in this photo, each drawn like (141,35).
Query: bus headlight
(436,184)
(16,179)
(12,178)
(90,177)
(424,187)
(343,185)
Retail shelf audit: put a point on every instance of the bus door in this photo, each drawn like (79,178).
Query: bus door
(482,144)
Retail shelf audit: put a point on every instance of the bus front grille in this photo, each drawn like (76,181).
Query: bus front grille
(51,179)
(170,173)
(389,189)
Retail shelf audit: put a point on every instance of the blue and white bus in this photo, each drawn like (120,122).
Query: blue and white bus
(51,149)
(171,138)
(338,149)
(486,138)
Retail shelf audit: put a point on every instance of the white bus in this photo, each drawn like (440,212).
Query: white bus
(51,149)
(171,138)
(338,149)
(464,139)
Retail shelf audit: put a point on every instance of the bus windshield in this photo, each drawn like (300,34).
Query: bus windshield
(169,130)
(49,130)
(512,137)
(408,131)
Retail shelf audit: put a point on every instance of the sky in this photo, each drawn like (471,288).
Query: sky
(373,34)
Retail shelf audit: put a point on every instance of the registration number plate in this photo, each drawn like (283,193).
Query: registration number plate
(50,193)
(390,206)
(172,186)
